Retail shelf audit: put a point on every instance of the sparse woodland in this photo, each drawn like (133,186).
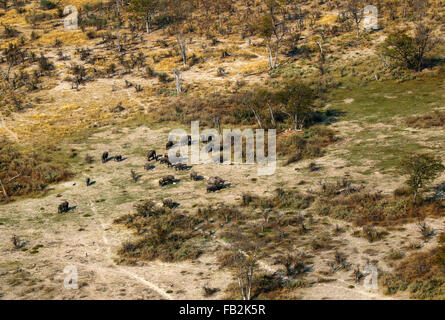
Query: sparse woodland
(360,120)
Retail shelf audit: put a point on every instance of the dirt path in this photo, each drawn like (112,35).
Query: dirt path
(145,282)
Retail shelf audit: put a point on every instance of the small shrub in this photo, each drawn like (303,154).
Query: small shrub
(47,5)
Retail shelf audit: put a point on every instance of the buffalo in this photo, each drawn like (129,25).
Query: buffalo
(63,207)
(104,157)
(215,184)
(194,176)
(151,155)
(180,167)
(166,180)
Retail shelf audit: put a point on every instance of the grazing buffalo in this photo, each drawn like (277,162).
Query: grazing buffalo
(180,167)
(151,155)
(168,203)
(215,184)
(165,160)
(104,157)
(63,207)
(88,181)
(194,176)
(166,180)
(118,158)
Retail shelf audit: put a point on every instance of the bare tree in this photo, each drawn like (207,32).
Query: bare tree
(250,101)
(245,271)
(13,53)
(7,182)
(178,80)
(273,31)
(118,23)
(182,47)
(321,58)
(355,10)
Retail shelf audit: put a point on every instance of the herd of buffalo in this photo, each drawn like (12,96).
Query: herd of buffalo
(213,183)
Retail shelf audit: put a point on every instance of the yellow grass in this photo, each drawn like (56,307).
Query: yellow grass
(80,3)
(328,19)
(75,37)
(69,107)
(11,17)
(255,67)
(6,44)
(167,64)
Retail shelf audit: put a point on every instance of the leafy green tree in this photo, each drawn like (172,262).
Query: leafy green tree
(145,9)
(407,50)
(47,4)
(297,99)
(422,169)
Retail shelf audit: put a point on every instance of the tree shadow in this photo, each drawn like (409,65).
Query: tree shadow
(328,116)
(433,62)
(438,192)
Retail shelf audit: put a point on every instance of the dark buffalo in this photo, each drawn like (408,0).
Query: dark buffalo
(151,155)
(180,167)
(194,176)
(215,184)
(166,180)
(104,157)
(63,207)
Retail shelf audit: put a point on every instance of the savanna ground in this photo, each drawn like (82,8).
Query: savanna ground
(371,122)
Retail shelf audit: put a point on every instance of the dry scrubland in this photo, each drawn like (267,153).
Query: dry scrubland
(337,202)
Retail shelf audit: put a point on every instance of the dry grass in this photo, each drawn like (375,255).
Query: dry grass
(431,120)
(361,206)
(76,37)
(421,274)
(255,67)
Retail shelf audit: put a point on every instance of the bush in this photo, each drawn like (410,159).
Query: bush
(423,274)
(281,199)
(308,145)
(35,170)
(435,119)
(342,200)
(163,77)
(47,5)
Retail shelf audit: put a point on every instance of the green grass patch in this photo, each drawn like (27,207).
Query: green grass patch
(387,100)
